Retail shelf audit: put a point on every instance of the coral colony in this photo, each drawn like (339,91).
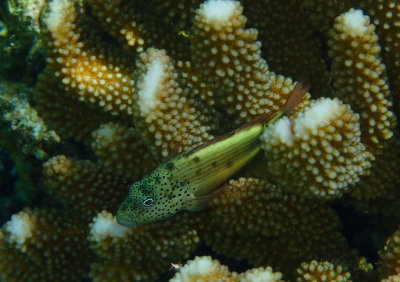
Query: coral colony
(136,82)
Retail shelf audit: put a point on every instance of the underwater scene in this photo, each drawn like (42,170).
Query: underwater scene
(192,140)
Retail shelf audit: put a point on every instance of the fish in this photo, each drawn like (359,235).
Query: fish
(192,178)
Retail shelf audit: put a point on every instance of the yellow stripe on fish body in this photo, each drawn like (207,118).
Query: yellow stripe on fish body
(210,165)
(189,180)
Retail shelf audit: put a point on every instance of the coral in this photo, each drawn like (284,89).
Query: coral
(96,76)
(289,51)
(120,150)
(318,153)
(126,29)
(204,269)
(322,271)
(229,57)
(72,119)
(378,192)
(137,253)
(27,9)
(129,84)
(83,186)
(389,257)
(43,245)
(391,278)
(25,130)
(165,115)
(260,274)
(383,16)
(359,76)
(256,213)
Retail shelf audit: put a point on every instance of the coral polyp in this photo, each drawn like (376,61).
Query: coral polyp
(119,87)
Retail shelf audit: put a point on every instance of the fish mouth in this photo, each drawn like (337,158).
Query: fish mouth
(122,220)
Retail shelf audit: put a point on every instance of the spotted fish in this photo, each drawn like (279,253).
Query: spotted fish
(188,181)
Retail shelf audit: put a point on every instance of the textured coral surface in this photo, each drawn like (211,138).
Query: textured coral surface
(111,89)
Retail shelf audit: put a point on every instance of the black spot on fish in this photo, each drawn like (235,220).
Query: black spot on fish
(124,206)
(170,166)
(229,163)
(170,195)
(214,164)
(196,159)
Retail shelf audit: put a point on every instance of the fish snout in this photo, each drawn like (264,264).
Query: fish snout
(123,219)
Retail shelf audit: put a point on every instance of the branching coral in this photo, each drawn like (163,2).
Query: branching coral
(43,245)
(82,185)
(137,253)
(229,57)
(203,269)
(129,84)
(389,263)
(163,111)
(319,152)
(265,221)
(322,271)
(360,76)
(120,150)
(93,75)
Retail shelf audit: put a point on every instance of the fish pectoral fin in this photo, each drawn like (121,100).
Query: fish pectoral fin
(198,203)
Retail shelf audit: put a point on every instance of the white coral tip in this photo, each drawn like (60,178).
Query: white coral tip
(105,225)
(355,23)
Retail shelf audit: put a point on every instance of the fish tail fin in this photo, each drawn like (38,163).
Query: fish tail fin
(295,97)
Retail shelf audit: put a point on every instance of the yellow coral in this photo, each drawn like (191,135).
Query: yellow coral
(121,151)
(359,76)
(43,245)
(229,57)
(319,153)
(82,186)
(93,75)
(137,253)
(203,269)
(70,118)
(255,220)
(389,257)
(322,271)
(216,79)
(166,115)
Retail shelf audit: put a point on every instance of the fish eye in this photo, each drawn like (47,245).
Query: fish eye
(148,202)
